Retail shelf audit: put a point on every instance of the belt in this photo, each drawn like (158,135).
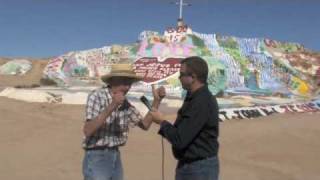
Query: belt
(101,148)
(188,161)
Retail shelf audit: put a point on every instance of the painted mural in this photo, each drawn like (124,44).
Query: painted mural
(16,67)
(251,67)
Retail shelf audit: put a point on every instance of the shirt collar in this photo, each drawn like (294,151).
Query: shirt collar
(107,90)
(198,92)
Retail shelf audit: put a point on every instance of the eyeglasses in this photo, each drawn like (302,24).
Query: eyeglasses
(183,74)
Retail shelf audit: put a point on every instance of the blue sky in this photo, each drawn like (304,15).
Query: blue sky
(45,28)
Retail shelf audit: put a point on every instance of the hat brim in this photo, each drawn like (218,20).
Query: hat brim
(134,77)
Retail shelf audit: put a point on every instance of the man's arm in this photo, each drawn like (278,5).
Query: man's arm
(93,125)
(147,120)
(191,124)
(158,95)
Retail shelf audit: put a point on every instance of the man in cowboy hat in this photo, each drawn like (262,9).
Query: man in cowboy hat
(108,116)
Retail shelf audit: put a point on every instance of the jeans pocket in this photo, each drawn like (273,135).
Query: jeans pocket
(99,164)
(96,157)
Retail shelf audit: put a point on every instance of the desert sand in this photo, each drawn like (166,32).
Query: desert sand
(43,141)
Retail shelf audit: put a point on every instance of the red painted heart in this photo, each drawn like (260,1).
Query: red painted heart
(152,70)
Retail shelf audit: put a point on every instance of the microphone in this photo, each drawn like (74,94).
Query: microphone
(146,102)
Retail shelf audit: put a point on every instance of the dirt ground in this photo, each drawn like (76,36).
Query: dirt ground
(43,141)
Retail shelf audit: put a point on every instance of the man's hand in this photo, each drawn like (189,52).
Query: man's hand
(117,99)
(157,117)
(159,93)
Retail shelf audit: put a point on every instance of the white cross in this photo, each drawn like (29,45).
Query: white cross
(181,4)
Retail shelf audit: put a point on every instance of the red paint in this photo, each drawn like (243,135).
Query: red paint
(152,70)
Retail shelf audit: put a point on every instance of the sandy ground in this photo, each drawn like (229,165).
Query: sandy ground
(43,141)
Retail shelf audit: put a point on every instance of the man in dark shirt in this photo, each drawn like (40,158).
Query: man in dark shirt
(194,134)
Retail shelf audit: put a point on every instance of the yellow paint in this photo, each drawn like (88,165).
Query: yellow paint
(301,86)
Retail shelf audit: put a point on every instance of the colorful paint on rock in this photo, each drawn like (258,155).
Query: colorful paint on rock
(237,66)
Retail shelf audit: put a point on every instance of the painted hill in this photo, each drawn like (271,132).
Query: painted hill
(255,66)
(29,79)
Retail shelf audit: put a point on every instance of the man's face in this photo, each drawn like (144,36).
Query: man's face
(185,77)
(121,84)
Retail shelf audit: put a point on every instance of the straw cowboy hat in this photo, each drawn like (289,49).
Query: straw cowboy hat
(121,70)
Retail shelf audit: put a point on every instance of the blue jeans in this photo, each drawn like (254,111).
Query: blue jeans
(207,169)
(102,165)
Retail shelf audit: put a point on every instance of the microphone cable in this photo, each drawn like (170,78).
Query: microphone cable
(162,144)
(146,102)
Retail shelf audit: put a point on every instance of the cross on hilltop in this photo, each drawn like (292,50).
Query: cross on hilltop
(181,4)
